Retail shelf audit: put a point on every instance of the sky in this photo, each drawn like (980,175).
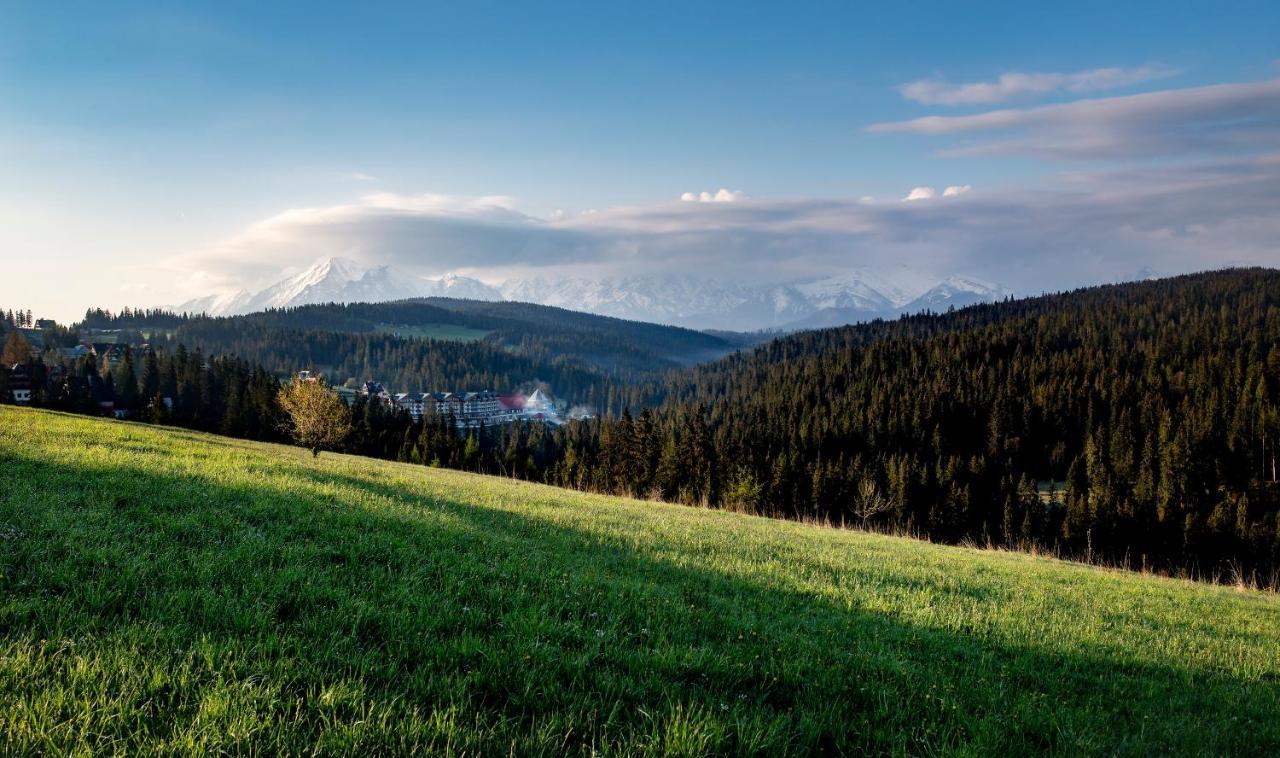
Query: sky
(151,153)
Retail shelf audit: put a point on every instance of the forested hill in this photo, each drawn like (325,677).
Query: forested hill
(442,343)
(1131,420)
(601,340)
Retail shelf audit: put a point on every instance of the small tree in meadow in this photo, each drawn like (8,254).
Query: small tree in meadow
(870,501)
(320,420)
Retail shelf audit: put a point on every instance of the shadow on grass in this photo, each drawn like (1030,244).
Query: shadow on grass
(488,628)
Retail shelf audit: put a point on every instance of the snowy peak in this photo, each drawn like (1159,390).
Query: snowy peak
(323,282)
(462,287)
(957,292)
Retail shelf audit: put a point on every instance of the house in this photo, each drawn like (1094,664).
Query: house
(109,352)
(480,406)
(413,403)
(448,404)
(20,383)
(45,323)
(538,402)
(511,407)
(372,389)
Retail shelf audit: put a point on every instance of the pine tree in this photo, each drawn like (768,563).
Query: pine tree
(150,381)
(126,383)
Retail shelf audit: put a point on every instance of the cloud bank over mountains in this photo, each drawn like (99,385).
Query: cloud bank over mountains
(1093,226)
(1191,184)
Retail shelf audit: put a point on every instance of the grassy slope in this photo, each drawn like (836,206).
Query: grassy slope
(168,590)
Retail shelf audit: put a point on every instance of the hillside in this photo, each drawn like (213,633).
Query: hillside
(435,344)
(1138,424)
(162,590)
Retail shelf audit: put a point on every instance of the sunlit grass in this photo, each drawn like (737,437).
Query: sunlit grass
(163,590)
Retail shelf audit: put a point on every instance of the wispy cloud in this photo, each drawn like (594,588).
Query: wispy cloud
(1241,117)
(1016,85)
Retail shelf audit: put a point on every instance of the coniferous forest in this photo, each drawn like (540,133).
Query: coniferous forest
(1134,424)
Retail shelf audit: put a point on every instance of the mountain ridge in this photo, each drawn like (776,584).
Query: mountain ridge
(668,298)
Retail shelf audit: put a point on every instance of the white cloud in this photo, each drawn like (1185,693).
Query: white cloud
(720,196)
(1014,85)
(1095,227)
(929,193)
(1234,118)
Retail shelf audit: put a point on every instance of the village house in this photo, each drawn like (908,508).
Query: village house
(372,389)
(20,383)
(109,353)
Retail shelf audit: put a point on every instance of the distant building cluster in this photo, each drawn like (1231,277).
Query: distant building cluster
(469,409)
(21,380)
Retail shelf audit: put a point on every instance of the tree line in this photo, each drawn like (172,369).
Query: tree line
(224,395)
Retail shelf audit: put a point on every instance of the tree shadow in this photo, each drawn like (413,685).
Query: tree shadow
(400,608)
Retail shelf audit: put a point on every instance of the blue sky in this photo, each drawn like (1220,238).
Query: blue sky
(140,144)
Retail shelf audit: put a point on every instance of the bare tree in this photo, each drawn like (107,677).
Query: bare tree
(320,420)
(871,502)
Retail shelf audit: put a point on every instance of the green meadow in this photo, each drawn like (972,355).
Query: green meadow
(167,591)
(451,332)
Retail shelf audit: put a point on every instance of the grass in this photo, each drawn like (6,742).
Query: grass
(451,332)
(167,591)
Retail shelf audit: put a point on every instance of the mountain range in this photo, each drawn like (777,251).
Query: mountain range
(677,299)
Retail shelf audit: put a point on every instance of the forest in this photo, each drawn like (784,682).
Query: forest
(1131,424)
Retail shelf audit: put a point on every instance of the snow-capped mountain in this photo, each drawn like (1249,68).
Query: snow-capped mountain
(956,292)
(842,301)
(341,280)
(461,287)
(321,283)
(232,302)
(679,299)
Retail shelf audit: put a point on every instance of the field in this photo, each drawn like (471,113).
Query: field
(162,590)
(451,332)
